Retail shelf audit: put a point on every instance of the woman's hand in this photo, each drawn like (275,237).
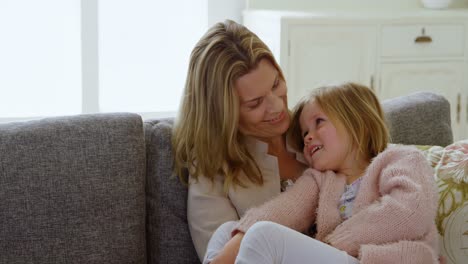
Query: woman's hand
(229,253)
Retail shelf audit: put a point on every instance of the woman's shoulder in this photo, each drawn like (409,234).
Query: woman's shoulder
(298,154)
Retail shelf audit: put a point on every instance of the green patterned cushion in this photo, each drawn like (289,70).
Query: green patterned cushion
(451,171)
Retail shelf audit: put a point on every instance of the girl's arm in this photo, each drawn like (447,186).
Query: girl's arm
(414,252)
(405,210)
(295,208)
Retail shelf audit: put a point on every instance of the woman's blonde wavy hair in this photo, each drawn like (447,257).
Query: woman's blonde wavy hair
(206,138)
(356,108)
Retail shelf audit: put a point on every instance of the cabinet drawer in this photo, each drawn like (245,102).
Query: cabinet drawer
(423,40)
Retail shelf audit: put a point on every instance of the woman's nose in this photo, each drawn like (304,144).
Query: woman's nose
(275,103)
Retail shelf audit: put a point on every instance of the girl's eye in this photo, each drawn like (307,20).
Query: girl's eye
(319,120)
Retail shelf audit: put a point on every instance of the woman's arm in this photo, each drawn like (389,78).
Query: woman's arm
(207,208)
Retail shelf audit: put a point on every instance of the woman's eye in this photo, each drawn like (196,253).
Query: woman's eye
(276,84)
(255,103)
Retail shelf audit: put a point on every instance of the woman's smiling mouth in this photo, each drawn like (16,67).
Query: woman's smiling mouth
(277,119)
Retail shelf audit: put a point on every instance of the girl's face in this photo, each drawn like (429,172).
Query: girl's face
(263,102)
(326,147)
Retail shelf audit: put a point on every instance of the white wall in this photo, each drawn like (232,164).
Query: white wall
(343,4)
(220,10)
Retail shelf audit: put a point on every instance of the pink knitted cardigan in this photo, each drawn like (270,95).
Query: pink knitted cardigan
(393,213)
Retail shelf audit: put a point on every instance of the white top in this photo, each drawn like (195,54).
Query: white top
(347,199)
(208,207)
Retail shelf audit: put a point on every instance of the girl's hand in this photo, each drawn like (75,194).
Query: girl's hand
(229,253)
(442,260)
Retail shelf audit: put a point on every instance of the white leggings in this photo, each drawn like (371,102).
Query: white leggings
(271,243)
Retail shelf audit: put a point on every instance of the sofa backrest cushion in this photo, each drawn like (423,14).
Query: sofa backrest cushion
(168,237)
(72,190)
(421,118)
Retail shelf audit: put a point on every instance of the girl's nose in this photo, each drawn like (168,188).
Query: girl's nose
(307,139)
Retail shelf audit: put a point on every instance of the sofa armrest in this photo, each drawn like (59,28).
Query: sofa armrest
(73,190)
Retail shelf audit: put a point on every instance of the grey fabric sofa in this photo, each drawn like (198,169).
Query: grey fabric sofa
(99,188)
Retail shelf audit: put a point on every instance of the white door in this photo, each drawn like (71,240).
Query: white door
(445,78)
(320,54)
(465,111)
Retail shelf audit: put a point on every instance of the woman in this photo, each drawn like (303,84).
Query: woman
(230,131)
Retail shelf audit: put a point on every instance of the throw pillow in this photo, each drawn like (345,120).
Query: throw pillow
(451,172)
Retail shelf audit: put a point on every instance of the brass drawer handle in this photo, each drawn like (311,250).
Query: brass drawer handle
(423,39)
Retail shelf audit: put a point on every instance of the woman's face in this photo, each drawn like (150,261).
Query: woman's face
(263,102)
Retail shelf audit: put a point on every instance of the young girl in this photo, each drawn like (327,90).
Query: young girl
(370,203)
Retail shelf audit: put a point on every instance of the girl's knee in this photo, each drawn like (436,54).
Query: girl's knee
(261,243)
(265,226)
(224,231)
(229,225)
(262,229)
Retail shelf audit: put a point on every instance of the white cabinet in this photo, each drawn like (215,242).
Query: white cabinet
(394,55)
(464,113)
(445,78)
(323,54)
(425,56)
(423,40)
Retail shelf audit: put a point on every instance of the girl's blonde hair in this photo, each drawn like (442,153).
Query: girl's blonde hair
(356,108)
(206,138)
